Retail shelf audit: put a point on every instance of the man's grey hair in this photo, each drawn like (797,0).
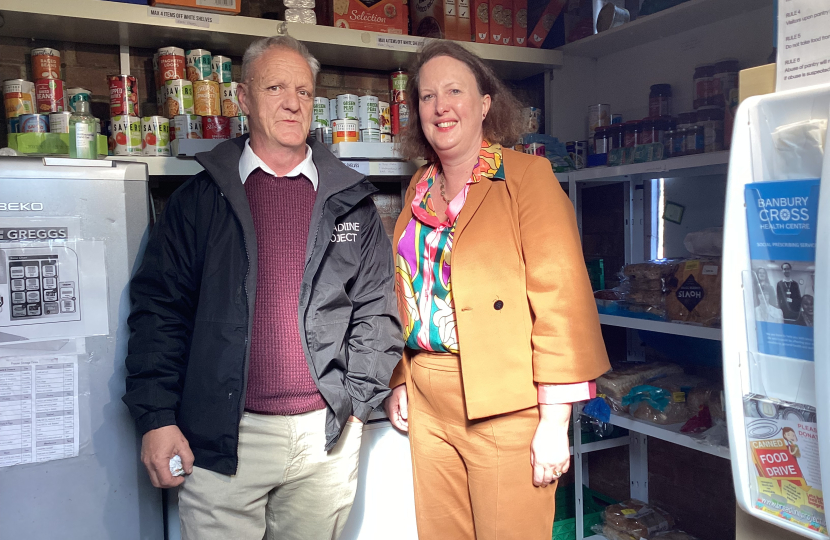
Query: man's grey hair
(260,46)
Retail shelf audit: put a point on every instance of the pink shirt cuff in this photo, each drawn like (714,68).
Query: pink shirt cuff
(555,394)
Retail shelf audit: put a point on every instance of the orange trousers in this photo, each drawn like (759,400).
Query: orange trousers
(473,479)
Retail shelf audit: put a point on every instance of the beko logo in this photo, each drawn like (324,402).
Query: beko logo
(21,207)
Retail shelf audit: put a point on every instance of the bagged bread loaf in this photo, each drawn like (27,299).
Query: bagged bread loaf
(697,297)
(650,270)
(638,519)
(665,401)
(619,382)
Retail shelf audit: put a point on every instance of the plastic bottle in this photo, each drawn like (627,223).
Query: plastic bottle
(82,140)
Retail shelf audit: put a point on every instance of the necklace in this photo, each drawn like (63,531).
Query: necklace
(443,190)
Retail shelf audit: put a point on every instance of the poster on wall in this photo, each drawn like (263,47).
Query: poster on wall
(781,219)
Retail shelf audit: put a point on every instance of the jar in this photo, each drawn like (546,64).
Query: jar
(616,136)
(687,119)
(647,133)
(659,100)
(711,120)
(693,141)
(679,146)
(602,140)
(704,79)
(661,126)
(725,77)
(668,143)
(633,133)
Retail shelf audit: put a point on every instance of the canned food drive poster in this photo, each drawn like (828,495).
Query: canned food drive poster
(782,219)
(783,446)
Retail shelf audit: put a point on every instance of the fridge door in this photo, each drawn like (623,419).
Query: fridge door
(772,383)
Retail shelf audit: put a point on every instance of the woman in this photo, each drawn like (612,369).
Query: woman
(764,287)
(501,328)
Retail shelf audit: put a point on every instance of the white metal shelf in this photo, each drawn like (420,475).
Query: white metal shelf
(663,327)
(683,166)
(114,23)
(684,17)
(670,433)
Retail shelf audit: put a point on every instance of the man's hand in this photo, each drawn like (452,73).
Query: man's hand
(550,454)
(157,447)
(397,408)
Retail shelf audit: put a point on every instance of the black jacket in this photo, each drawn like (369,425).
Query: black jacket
(193,306)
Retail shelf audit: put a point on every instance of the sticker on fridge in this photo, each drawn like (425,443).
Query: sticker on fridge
(781,219)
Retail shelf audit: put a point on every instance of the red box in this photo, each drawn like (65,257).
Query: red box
(540,31)
(497,26)
(520,23)
(387,16)
(228,7)
(434,18)
(481,21)
(464,28)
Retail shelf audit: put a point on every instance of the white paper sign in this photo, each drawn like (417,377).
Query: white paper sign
(360,166)
(188,18)
(401,43)
(803,43)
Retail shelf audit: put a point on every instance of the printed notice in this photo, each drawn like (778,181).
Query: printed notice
(38,409)
(803,43)
(401,43)
(188,18)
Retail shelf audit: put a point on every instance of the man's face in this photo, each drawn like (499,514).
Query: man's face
(279,98)
(786,270)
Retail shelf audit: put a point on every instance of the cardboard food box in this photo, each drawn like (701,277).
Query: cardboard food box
(542,28)
(387,16)
(228,7)
(434,18)
(520,23)
(501,22)
(481,21)
(464,28)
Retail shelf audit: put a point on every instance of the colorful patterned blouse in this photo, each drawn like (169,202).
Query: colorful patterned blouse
(424,261)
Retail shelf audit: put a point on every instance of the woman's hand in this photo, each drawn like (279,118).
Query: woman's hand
(550,454)
(396,407)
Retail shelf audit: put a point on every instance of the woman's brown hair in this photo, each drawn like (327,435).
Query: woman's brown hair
(503,123)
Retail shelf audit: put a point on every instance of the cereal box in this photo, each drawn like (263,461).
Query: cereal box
(434,18)
(481,21)
(389,16)
(540,31)
(501,22)
(520,23)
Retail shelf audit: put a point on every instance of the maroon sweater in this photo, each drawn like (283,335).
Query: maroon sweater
(279,381)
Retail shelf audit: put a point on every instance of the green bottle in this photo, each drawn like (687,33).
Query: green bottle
(82,140)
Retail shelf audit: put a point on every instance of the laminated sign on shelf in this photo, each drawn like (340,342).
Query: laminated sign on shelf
(781,219)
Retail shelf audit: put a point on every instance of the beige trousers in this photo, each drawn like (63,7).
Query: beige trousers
(287,486)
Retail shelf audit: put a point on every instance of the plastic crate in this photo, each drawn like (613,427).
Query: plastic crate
(564,524)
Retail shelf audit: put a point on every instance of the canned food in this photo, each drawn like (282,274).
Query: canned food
(230,99)
(397,84)
(369,135)
(34,123)
(46,63)
(221,69)
(345,130)
(216,127)
(367,112)
(18,97)
(186,126)
(347,107)
(386,137)
(59,122)
(178,98)
(49,95)
(13,125)
(198,65)
(155,136)
(320,116)
(239,126)
(385,115)
(400,117)
(332,111)
(123,95)
(74,95)
(206,98)
(171,64)
(125,136)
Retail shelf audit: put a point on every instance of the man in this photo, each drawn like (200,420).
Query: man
(789,295)
(260,340)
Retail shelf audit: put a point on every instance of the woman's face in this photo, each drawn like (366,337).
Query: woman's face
(451,108)
(762,274)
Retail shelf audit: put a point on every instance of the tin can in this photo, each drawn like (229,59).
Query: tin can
(155,136)
(332,111)
(125,136)
(320,116)
(123,95)
(186,126)
(345,130)
(397,84)
(239,126)
(198,65)
(74,95)
(178,98)
(386,137)
(368,112)
(221,69)
(347,107)
(18,97)
(13,125)
(171,64)
(206,98)
(46,63)
(400,117)
(230,99)
(369,135)
(324,135)
(34,123)
(59,122)
(49,95)
(385,115)
(216,127)
(598,115)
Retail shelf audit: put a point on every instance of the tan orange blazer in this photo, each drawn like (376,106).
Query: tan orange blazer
(516,242)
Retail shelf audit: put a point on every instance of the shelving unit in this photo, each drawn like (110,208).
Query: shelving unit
(679,167)
(677,329)
(669,433)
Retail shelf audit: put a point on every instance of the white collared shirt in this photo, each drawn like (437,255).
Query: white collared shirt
(249,162)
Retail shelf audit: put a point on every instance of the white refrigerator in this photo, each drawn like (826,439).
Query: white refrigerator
(776,308)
